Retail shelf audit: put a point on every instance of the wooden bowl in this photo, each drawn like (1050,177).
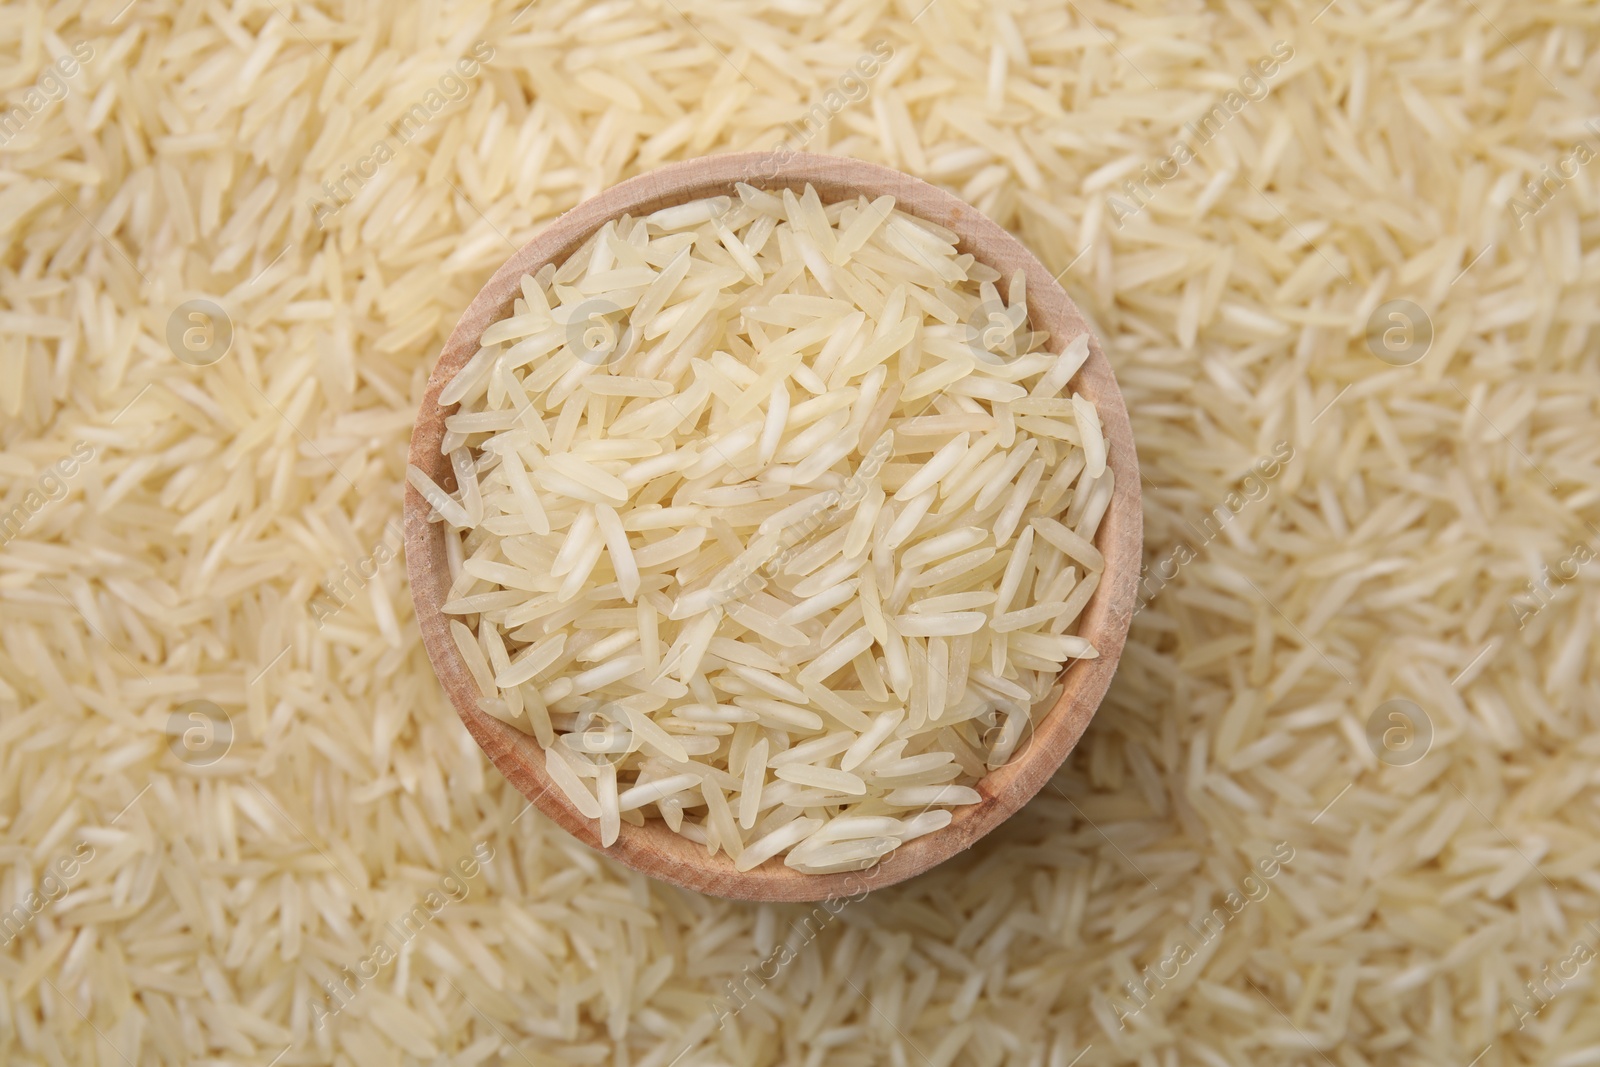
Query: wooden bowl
(653,848)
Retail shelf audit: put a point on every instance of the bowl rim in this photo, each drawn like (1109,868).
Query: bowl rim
(653,849)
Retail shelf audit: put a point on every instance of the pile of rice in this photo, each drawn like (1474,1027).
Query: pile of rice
(224,534)
(812,625)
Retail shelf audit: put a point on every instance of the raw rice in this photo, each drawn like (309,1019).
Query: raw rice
(192,550)
(763,547)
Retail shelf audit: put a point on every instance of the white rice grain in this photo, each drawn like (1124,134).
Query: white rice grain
(728,533)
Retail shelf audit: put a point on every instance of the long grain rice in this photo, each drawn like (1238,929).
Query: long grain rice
(227,540)
(745,567)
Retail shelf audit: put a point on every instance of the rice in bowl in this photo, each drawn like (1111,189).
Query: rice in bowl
(773,520)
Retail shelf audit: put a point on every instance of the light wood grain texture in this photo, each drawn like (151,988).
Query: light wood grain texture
(653,848)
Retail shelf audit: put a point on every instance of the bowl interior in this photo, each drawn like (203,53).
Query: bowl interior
(654,849)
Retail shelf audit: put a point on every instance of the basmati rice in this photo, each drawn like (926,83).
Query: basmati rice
(779,614)
(199,554)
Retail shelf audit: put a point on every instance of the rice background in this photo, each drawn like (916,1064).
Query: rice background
(182,878)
